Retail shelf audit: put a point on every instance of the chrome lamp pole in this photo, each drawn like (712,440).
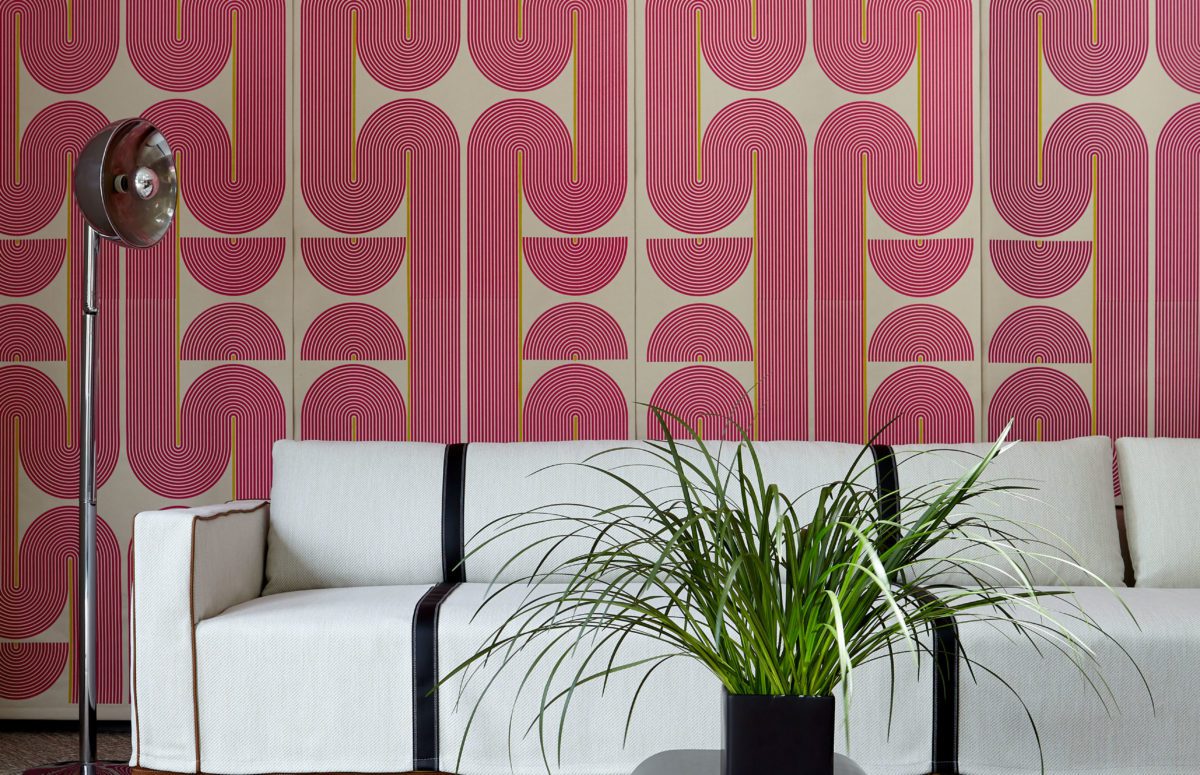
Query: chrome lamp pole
(125,186)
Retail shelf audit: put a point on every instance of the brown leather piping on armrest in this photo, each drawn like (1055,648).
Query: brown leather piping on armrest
(137,753)
(192,614)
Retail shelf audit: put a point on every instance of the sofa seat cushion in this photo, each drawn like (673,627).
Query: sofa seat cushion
(308,681)
(1079,734)
(679,707)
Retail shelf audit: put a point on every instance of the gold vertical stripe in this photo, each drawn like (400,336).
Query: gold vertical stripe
(410,247)
(70,21)
(1039,98)
(178,301)
(520,20)
(1038,430)
(17,98)
(71,397)
(699,120)
(354,427)
(233,57)
(520,298)
(754,19)
(178,19)
(1095,287)
(16,511)
(862,18)
(575,427)
(920,104)
(354,95)
(865,202)
(1095,21)
(920,429)
(754,262)
(233,452)
(575,95)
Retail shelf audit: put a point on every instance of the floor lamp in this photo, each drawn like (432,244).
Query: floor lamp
(125,186)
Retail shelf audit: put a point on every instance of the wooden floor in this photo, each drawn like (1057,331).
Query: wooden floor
(26,746)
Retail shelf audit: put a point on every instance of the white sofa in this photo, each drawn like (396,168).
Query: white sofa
(304,634)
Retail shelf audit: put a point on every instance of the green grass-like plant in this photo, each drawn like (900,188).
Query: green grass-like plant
(723,568)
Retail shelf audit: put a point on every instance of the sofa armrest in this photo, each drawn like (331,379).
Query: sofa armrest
(188,565)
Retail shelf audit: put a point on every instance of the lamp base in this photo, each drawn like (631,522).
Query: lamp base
(78,768)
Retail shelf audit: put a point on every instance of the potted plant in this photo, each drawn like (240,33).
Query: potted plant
(780,604)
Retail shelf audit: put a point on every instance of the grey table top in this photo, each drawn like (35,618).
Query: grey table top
(709,763)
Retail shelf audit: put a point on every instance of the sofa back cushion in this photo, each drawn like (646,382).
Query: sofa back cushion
(1161,492)
(347,514)
(516,479)
(1072,507)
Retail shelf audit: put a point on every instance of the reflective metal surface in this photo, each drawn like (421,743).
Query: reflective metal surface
(86,612)
(125,183)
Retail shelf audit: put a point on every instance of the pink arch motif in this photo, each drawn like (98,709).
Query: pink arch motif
(923,404)
(575,400)
(575,331)
(1039,335)
(699,267)
(233,267)
(575,266)
(353,267)
(28,334)
(921,332)
(1043,403)
(1040,269)
(699,332)
(921,267)
(353,331)
(708,398)
(353,401)
(232,331)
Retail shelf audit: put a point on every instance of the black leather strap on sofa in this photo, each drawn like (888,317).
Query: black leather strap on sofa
(426,754)
(944,760)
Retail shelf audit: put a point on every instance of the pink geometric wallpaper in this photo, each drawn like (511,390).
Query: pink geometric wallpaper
(450,220)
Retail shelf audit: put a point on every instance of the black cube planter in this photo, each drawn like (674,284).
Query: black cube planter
(778,735)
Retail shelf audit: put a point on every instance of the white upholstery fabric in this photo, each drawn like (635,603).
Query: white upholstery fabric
(1078,735)
(1162,519)
(354,514)
(680,706)
(1072,506)
(228,555)
(311,681)
(515,479)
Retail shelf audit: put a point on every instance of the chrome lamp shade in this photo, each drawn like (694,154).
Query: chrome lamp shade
(125,185)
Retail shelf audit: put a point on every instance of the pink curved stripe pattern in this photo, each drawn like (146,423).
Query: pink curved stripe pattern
(924,404)
(353,402)
(866,150)
(232,331)
(1040,335)
(353,267)
(407,151)
(1177,277)
(28,334)
(353,332)
(572,184)
(575,331)
(1040,269)
(233,267)
(1044,404)
(66,64)
(27,669)
(228,187)
(921,332)
(707,398)
(575,401)
(750,147)
(1088,141)
(699,332)
(1178,42)
(575,266)
(27,266)
(699,267)
(180,451)
(921,267)
(36,597)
